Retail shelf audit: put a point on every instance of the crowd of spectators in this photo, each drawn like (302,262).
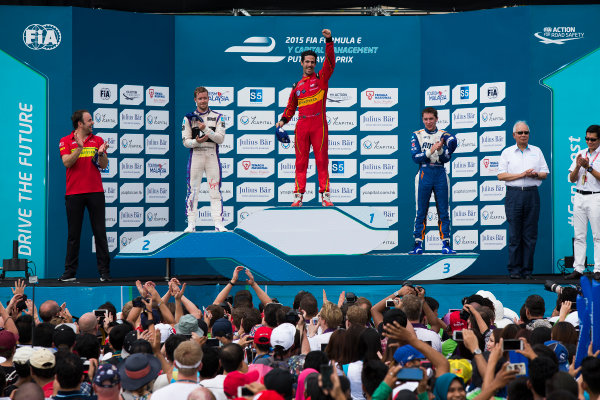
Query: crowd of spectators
(251,346)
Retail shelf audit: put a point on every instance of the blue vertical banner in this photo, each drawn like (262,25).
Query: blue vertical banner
(23,122)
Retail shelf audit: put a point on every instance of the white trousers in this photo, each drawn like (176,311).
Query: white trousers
(204,160)
(586,208)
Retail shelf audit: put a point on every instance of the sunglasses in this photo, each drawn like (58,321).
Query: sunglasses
(522,132)
(590,139)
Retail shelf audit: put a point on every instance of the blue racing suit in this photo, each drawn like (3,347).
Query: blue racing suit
(432,177)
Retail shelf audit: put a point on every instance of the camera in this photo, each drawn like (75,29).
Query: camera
(464,315)
(350,298)
(552,286)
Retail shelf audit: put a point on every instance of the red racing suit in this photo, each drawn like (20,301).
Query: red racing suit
(309,96)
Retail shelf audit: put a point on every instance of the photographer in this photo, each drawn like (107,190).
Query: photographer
(566,304)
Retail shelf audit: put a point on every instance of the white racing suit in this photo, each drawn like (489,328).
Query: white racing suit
(204,158)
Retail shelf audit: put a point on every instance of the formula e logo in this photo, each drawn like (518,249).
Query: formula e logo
(246,164)
(41,37)
(257,44)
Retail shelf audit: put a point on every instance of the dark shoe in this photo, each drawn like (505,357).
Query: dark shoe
(574,275)
(529,277)
(105,278)
(515,276)
(596,276)
(67,278)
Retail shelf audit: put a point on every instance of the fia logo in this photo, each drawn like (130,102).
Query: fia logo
(41,37)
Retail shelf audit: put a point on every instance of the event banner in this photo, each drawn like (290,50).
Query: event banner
(136,74)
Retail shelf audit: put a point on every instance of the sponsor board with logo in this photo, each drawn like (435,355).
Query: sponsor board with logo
(464,118)
(226,167)
(245,212)
(341,120)
(390,214)
(465,239)
(131,168)
(285,193)
(205,216)
(157,96)
(493,92)
(131,192)
(131,118)
(286,168)
(492,141)
(131,143)
(378,192)
(158,144)
(254,192)
(227,145)
(111,191)
(558,34)
(105,93)
(291,125)
(105,118)
(157,168)
(131,95)
(339,97)
(493,215)
(156,217)
(157,192)
(467,142)
(492,116)
(128,237)
(111,140)
(288,148)
(256,96)
(378,145)
(227,116)
(157,120)
(220,96)
(111,238)
(488,166)
(492,190)
(465,215)
(255,167)
(284,96)
(390,242)
(342,169)
(42,37)
(255,144)
(464,167)
(437,96)
(341,144)
(383,121)
(464,191)
(131,217)
(379,97)
(204,194)
(443,119)
(110,216)
(433,241)
(464,94)
(343,192)
(432,216)
(251,120)
(492,239)
(111,169)
(379,168)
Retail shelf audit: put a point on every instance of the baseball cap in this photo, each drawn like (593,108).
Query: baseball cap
(407,353)
(462,368)
(235,379)
(456,323)
(23,354)
(187,325)
(63,334)
(222,327)
(107,376)
(7,340)
(263,335)
(166,330)
(128,343)
(283,335)
(42,359)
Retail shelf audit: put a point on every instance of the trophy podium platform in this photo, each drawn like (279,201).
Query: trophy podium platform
(288,244)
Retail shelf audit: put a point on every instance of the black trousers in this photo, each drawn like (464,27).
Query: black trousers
(522,213)
(76,204)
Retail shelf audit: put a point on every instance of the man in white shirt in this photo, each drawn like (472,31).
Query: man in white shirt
(413,308)
(585,171)
(188,361)
(523,167)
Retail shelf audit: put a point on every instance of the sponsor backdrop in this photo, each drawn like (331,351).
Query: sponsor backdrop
(136,74)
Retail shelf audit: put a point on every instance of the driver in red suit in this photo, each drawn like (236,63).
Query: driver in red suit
(309,96)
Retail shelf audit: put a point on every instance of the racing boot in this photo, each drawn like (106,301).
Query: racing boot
(191,225)
(418,248)
(297,200)
(446,249)
(326,199)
